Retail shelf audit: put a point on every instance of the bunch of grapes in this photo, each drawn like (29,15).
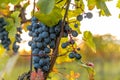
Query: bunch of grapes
(68,32)
(18,40)
(4,40)
(42,43)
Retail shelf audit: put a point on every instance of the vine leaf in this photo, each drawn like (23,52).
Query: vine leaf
(91,4)
(10,1)
(87,37)
(10,27)
(50,19)
(118,4)
(103,8)
(2,50)
(46,6)
(15,16)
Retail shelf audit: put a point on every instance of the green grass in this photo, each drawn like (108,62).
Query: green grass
(105,71)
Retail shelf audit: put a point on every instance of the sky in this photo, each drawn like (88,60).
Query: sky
(103,25)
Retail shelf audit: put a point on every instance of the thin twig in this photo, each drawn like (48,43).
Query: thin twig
(33,8)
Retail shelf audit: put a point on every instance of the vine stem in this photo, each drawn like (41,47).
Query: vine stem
(55,52)
(31,52)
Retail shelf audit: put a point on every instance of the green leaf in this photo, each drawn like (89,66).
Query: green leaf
(88,38)
(50,19)
(15,2)
(10,27)
(10,1)
(46,6)
(17,20)
(103,8)
(118,4)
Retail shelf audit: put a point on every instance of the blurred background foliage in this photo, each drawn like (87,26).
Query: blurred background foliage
(106,62)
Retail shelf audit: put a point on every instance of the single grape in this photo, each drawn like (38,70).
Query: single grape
(71,55)
(47,50)
(47,40)
(45,68)
(30,43)
(52,44)
(45,34)
(57,29)
(36,65)
(41,62)
(76,25)
(44,28)
(53,36)
(64,45)
(34,19)
(89,15)
(78,56)
(35,51)
(40,30)
(30,33)
(80,17)
(74,33)
(33,46)
(29,28)
(51,30)
(39,45)
(36,59)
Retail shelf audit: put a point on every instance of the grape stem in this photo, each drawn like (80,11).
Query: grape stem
(55,52)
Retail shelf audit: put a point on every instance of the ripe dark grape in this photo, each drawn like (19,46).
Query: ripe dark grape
(36,59)
(76,25)
(64,45)
(74,33)
(4,39)
(43,40)
(71,55)
(80,17)
(52,36)
(78,56)
(47,50)
(45,34)
(89,15)
(52,44)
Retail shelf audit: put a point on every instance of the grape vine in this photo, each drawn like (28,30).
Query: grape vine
(50,22)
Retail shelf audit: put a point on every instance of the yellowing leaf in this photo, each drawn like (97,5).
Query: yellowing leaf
(79,6)
(2,50)
(73,75)
(87,37)
(91,4)
(118,4)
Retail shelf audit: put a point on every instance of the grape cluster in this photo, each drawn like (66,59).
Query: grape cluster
(4,40)
(71,33)
(15,47)
(43,41)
